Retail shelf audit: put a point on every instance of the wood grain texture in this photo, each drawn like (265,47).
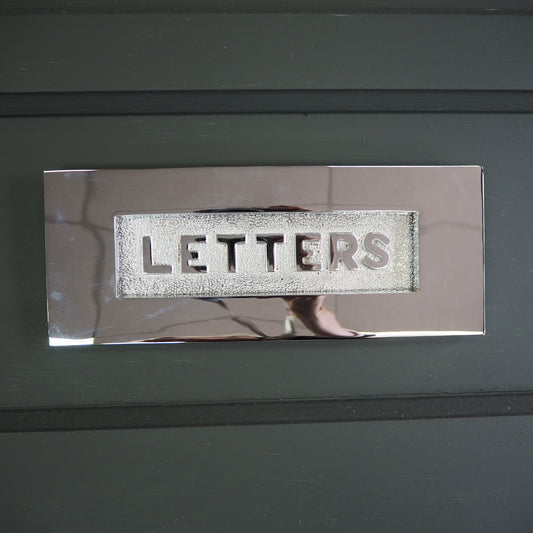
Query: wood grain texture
(265,51)
(34,374)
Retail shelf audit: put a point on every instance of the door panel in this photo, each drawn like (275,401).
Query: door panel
(452,475)
(265,51)
(427,434)
(34,374)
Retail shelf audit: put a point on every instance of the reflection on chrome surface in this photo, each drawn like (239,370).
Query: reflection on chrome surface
(308,309)
(81,207)
(320,321)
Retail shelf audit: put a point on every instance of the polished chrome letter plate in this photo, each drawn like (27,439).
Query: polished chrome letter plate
(263,253)
(222,255)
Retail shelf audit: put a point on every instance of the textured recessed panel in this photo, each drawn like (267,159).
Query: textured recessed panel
(266,253)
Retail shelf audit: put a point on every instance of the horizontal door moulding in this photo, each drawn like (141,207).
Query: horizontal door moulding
(256,101)
(360,409)
(24,7)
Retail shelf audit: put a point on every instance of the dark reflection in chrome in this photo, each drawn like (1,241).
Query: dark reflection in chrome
(321,321)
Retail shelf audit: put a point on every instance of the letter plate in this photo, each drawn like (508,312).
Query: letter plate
(263,253)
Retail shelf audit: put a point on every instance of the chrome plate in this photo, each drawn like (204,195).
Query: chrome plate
(253,253)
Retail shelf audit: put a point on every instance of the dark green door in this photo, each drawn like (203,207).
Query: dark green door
(389,435)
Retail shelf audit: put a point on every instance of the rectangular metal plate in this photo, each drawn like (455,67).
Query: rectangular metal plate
(188,254)
(275,253)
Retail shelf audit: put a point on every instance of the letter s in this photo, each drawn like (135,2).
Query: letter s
(370,246)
